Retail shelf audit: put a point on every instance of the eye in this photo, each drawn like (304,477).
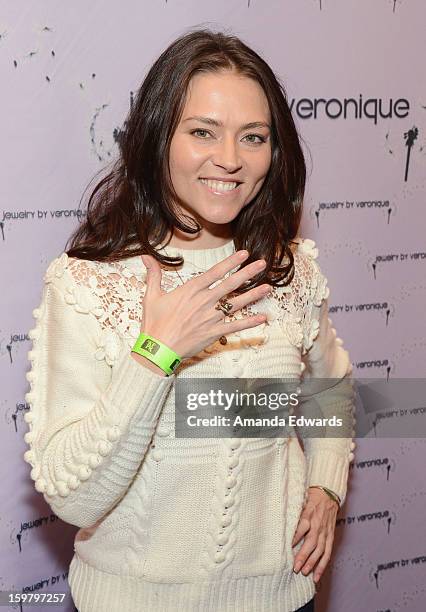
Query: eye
(200,130)
(262,138)
(202,134)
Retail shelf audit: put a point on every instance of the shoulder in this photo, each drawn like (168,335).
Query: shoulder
(308,270)
(79,283)
(80,270)
(109,291)
(305,253)
(64,270)
(305,247)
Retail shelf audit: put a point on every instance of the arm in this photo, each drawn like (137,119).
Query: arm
(325,359)
(90,423)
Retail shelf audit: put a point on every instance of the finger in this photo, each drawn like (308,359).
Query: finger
(308,547)
(315,555)
(235,280)
(302,528)
(218,271)
(325,558)
(153,274)
(253,295)
(236,326)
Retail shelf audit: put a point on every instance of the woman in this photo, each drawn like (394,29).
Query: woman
(210,168)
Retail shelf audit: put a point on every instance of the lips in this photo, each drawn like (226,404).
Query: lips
(220,180)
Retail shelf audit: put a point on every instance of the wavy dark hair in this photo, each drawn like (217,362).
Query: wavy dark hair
(132,209)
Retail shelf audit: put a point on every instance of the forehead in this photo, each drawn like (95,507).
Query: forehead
(226,95)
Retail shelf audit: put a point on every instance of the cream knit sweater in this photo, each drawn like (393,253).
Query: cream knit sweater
(166,523)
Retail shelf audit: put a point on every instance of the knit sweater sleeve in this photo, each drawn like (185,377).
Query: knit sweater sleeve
(90,421)
(327,371)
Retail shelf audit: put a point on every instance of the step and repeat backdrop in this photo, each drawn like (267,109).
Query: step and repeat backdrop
(354,76)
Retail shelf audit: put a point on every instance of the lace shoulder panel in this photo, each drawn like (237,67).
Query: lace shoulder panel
(109,291)
(117,290)
(313,289)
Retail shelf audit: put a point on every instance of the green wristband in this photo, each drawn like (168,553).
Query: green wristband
(157,352)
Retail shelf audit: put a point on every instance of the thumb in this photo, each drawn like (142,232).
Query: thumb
(153,272)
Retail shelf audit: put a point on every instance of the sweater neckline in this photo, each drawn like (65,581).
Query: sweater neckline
(202,258)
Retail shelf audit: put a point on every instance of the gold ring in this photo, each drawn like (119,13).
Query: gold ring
(224,306)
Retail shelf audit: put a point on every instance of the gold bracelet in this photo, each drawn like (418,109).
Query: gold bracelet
(331,494)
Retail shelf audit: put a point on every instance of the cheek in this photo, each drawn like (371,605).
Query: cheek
(259,170)
(260,164)
(265,162)
(184,157)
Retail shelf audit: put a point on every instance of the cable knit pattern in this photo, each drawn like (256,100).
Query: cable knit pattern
(166,523)
(221,534)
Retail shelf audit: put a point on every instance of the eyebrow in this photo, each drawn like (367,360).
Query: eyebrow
(211,121)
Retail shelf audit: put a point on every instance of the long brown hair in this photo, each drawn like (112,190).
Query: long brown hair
(131,210)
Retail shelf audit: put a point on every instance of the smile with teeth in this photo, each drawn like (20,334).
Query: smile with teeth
(220,186)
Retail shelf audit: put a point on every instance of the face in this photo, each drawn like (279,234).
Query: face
(218,162)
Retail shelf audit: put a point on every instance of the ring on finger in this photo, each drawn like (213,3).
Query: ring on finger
(224,306)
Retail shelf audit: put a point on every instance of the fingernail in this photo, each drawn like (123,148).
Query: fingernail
(242,254)
(297,566)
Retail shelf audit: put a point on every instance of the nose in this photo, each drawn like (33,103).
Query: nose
(227,154)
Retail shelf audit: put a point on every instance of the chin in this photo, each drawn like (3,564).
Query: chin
(220,212)
(221,218)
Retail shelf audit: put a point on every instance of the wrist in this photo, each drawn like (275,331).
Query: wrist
(147,363)
(169,339)
(155,351)
(331,494)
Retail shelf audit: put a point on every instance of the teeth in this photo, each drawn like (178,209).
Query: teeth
(219,185)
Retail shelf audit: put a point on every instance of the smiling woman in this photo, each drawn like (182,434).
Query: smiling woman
(209,108)
(207,189)
(218,171)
